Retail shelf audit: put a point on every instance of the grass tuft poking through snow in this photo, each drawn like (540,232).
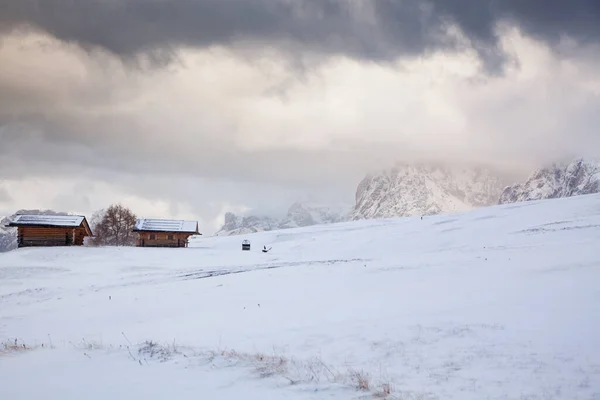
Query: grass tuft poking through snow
(294,371)
(384,390)
(154,350)
(314,370)
(361,380)
(14,346)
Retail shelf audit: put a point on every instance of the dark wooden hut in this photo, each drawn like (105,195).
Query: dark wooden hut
(164,232)
(51,230)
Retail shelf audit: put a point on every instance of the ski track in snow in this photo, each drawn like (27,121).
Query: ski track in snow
(497,303)
(211,272)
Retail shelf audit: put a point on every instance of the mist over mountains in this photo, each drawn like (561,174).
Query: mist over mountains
(299,214)
(566,179)
(406,190)
(421,189)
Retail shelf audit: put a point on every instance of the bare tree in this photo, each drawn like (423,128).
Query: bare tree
(113,226)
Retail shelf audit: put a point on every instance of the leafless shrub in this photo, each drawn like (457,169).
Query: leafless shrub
(360,379)
(9,346)
(13,346)
(230,354)
(150,349)
(91,345)
(267,366)
(384,390)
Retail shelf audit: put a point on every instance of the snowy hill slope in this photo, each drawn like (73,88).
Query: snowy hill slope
(299,215)
(558,180)
(420,189)
(495,303)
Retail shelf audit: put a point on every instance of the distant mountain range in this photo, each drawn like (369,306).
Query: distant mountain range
(576,178)
(427,189)
(298,215)
(406,190)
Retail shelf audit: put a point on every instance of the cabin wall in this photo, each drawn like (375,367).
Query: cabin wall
(80,235)
(162,239)
(46,236)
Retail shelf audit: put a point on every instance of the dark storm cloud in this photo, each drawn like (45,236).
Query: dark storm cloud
(58,151)
(377,30)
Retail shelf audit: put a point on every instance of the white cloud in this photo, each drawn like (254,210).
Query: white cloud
(219,130)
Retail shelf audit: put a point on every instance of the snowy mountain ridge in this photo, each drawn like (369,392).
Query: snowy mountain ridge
(299,214)
(575,178)
(402,191)
(425,189)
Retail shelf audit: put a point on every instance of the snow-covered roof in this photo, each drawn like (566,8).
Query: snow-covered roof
(166,225)
(70,221)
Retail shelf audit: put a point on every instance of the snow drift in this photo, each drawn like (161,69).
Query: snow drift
(496,303)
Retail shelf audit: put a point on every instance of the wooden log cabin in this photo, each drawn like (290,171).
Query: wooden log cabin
(51,230)
(164,232)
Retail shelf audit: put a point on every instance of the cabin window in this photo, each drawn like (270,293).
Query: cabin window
(152,236)
(169,237)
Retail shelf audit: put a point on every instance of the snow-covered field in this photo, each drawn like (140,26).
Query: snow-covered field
(497,303)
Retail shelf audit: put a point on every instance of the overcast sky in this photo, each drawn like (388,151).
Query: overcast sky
(191,108)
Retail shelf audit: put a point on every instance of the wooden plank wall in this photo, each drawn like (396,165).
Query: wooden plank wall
(80,235)
(46,236)
(161,239)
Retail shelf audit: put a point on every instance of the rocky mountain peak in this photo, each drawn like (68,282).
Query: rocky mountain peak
(425,189)
(578,177)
